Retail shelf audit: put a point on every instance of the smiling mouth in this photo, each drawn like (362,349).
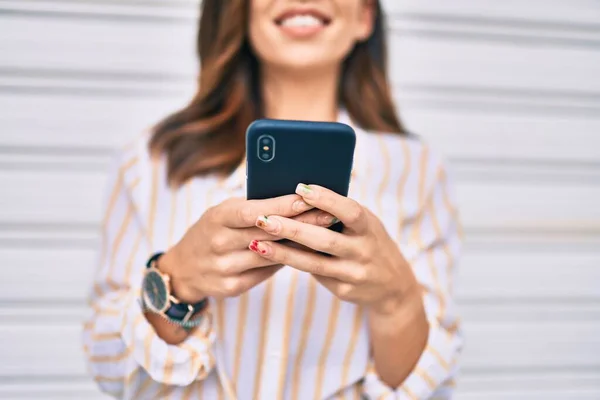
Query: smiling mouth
(303,20)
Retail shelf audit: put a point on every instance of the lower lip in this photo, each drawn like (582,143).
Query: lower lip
(301,31)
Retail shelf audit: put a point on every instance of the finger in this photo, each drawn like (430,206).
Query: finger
(310,262)
(237,239)
(315,237)
(343,290)
(237,262)
(236,285)
(352,214)
(236,213)
(316,217)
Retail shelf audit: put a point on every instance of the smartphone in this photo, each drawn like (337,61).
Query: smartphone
(282,153)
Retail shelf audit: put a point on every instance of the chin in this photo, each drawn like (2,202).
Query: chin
(301,58)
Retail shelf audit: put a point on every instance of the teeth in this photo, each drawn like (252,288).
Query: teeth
(302,20)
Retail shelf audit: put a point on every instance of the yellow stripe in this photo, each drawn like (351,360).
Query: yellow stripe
(439,357)
(286,333)
(333,317)
(119,238)
(105,337)
(386,174)
(453,212)
(117,188)
(410,393)
(108,379)
(241,329)
(129,267)
(147,364)
(116,191)
(172,219)
(167,387)
(358,318)
(306,325)
(423,175)
(148,348)
(153,201)
(416,231)
(266,309)
(111,358)
(189,390)
(434,274)
(420,372)
(402,187)
(220,308)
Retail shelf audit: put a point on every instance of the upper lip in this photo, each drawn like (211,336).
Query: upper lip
(303,11)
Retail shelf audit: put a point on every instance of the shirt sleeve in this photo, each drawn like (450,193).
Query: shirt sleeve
(432,250)
(124,354)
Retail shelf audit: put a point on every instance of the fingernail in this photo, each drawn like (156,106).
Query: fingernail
(258,247)
(301,206)
(328,219)
(269,225)
(262,248)
(304,190)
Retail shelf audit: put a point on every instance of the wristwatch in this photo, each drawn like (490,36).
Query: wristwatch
(158,298)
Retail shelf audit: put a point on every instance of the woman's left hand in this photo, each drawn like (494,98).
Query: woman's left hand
(365,267)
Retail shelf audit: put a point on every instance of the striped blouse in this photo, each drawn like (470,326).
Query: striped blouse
(287,338)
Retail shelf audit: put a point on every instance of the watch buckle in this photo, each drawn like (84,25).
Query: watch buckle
(189,314)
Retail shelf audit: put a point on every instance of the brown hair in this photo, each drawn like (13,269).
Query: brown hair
(208,135)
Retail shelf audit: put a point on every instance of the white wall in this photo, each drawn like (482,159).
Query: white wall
(509,90)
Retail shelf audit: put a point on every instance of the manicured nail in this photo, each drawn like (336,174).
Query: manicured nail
(262,221)
(301,206)
(304,190)
(262,248)
(269,225)
(258,247)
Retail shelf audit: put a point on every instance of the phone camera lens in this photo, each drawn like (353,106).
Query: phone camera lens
(266,148)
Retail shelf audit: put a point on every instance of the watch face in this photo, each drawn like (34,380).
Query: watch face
(155,291)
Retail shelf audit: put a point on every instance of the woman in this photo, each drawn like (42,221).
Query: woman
(258,319)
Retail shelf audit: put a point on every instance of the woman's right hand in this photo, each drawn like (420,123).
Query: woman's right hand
(213,259)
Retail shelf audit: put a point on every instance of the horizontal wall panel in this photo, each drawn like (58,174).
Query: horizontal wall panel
(532,394)
(574,14)
(141,10)
(72,198)
(462,134)
(145,51)
(557,385)
(102,45)
(28,389)
(46,274)
(490,347)
(77,198)
(512,275)
(481,64)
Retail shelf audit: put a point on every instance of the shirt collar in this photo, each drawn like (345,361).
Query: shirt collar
(237,179)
